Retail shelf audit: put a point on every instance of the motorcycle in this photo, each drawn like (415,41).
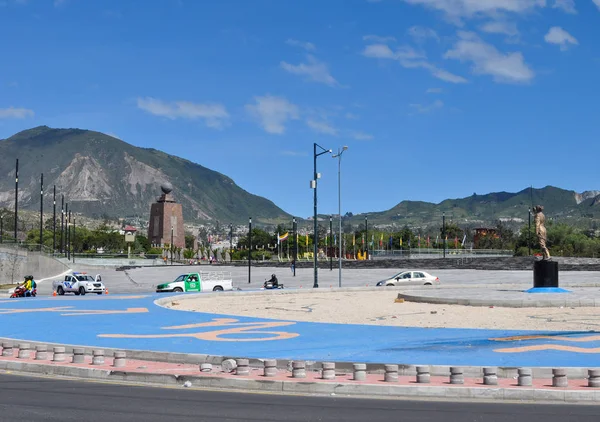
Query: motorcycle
(20,292)
(272,284)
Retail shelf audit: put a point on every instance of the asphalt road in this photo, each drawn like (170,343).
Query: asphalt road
(144,280)
(30,399)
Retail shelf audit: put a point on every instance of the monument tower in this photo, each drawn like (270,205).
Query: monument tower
(166,220)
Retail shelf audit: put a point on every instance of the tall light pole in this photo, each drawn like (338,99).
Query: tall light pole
(1,228)
(230,242)
(295,252)
(62,223)
(529,234)
(339,157)
(367,235)
(331,242)
(172,246)
(41,211)
(444,232)
(316,176)
(54,222)
(16,197)
(249,249)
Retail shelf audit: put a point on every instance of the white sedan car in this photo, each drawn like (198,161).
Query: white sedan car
(410,277)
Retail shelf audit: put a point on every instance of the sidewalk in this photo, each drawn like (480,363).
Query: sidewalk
(162,373)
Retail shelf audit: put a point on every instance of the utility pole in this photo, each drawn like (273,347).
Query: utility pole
(249,248)
(54,221)
(295,252)
(41,211)
(16,198)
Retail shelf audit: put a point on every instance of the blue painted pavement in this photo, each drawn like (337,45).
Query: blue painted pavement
(135,322)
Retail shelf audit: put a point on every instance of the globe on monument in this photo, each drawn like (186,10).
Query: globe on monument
(166,188)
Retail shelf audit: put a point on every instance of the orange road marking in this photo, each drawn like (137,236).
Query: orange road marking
(557,338)
(540,347)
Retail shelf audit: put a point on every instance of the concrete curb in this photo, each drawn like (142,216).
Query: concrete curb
(340,366)
(504,303)
(310,387)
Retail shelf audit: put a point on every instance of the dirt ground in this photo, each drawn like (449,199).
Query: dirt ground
(380,308)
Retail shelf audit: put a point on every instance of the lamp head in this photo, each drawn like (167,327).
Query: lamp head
(345,148)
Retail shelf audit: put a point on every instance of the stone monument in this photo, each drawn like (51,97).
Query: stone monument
(545,271)
(166,220)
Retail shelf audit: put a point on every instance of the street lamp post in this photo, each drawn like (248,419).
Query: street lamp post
(1,228)
(529,234)
(444,232)
(54,221)
(331,242)
(367,235)
(16,197)
(230,242)
(66,229)
(41,211)
(295,252)
(62,223)
(74,237)
(249,249)
(316,176)
(339,157)
(69,235)
(172,246)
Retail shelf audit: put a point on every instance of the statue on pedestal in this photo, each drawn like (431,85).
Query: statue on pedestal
(540,230)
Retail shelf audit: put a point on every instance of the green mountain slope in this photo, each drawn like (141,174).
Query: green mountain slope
(485,210)
(102,175)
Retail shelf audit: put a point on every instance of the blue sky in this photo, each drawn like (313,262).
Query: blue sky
(434,98)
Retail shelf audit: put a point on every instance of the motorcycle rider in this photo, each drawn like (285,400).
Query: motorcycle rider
(29,285)
(273,281)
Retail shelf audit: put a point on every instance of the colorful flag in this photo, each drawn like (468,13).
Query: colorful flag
(353,239)
(456,241)
(391,240)
(427,240)
(307,241)
(282,238)
(381,241)
(464,239)
(400,241)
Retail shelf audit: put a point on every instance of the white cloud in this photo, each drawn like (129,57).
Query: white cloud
(377,38)
(434,91)
(362,136)
(15,113)
(214,115)
(321,127)
(382,51)
(500,27)
(273,112)
(437,104)
(410,59)
(567,6)
(308,46)
(421,34)
(487,60)
(455,10)
(557,35)
(597,3)
(314,70)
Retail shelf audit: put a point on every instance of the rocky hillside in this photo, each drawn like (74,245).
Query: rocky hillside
(104,176)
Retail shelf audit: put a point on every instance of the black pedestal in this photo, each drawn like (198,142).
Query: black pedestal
(545,274)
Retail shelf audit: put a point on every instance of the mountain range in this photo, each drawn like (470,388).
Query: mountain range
(102,176)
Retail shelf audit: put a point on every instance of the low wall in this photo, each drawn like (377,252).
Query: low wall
(16,262)
(497,263)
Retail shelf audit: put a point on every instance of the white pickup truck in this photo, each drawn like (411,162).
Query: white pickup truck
(215,281)
(79,283)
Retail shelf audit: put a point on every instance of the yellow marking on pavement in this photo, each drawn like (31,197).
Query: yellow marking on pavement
(240,328)
(557,338)
(541,347)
